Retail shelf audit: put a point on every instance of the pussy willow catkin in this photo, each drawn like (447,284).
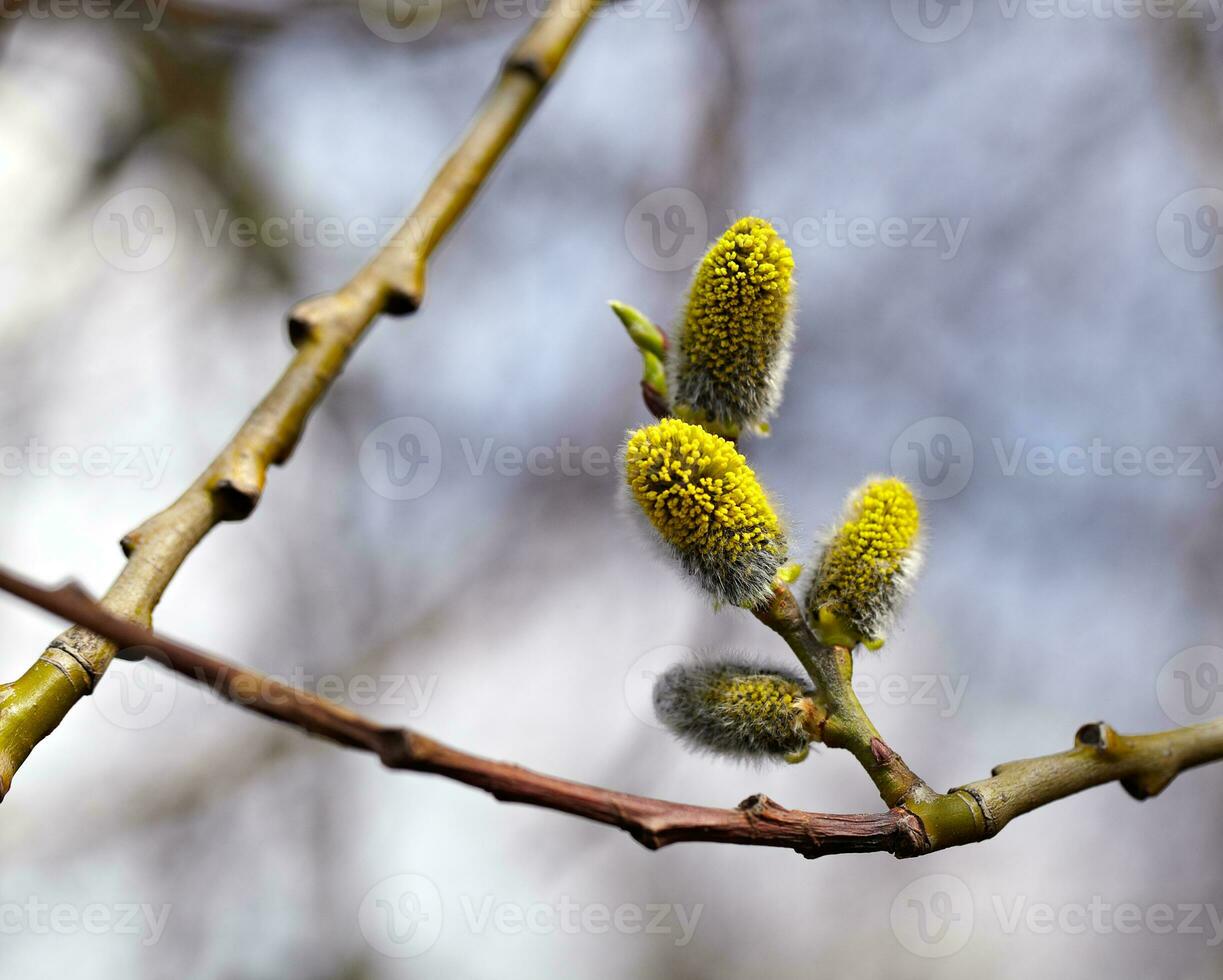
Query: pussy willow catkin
(868,565)
(735,708)
(705,504)
(728,365)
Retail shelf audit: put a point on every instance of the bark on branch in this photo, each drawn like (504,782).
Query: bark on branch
(1145,764)
(324,330)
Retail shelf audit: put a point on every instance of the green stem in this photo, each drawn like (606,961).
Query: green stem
(847,726)
(324,329)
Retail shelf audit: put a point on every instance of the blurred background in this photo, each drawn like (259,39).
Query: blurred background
(1005,217)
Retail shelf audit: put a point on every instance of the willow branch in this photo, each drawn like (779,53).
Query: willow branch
(847,725)
(324,331)
(1144,764)
(655,823)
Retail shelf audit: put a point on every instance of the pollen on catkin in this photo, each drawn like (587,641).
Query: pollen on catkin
(867,566)
(728,365)
(735,708)
(705,503)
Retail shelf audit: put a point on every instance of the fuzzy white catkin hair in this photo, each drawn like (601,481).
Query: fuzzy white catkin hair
(735,708)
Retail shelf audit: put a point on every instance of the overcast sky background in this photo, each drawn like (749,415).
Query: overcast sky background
(1004,225)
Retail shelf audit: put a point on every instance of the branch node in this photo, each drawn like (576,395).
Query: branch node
(1098,735)
(758,804)
(655,403)
(1146,785)
(72,665)
(235,501)
(401,302)
(881,751)
(912,839)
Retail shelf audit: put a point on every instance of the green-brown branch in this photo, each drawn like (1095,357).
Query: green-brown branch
(847,725)
(324,330)
(1144,764)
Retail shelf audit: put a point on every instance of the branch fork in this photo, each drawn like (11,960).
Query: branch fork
(324,330)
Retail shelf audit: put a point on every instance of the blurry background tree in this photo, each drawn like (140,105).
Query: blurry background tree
(1114,566)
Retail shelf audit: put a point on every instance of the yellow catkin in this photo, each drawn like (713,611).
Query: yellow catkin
(705,502)
(866,567)
(735,708)
(764,701)
(730,357)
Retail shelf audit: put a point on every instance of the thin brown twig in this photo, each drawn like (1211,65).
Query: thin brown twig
(324,330)
(655,823)
(1144,764)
